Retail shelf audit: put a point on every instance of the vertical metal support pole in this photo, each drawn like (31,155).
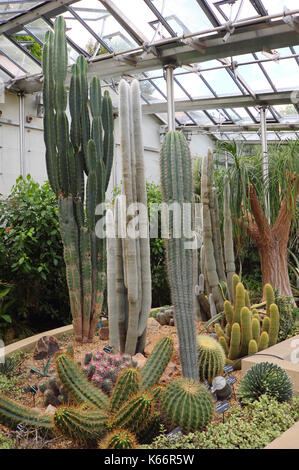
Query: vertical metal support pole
(22,133)
(263,110)
(170,97)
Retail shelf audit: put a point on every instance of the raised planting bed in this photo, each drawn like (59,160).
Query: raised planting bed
(284,354)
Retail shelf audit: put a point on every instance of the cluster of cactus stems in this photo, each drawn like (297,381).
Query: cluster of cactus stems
(217,264)
(247,330)
(131,407)
(54,392)
(211,358)
(84,149)
(129,272)
(103,369)
(176,187)
(187,404)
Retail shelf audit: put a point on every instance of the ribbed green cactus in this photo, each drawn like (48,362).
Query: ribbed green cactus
(12,414)
(176,186)
(152,429)
(187,404)
(274,324)
(246,331)
(213,261)
(270,297)
(127,385)
(86,148)
(246,336)
(79,424)
(119,439)
(129,274)
(77,385)
(135,414)
(156,363)
(228,243)
(211,358)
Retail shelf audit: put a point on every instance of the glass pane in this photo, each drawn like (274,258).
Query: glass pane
(10,9)
(144,19)
(39,28)
(184,16)
(231,10)
(104,25)
(277,6)
(288,135)
(255,78)
(182,118)
(284,74)
(19,57)
(201,118)
(221,82)
(287,112)
(194,85)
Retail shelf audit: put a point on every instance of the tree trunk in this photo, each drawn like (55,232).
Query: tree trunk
(272,242)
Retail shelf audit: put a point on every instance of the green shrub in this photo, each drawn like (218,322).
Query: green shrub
(31,257)
(6,442)
(265,378)
(250,427)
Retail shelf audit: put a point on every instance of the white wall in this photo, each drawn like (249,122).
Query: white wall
(35,163)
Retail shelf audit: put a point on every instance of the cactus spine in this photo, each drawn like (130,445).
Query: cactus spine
(126,386)
(86,148)
(211,358)
(131,256)
(119,439)
(187,404)
(12,414)
(176,186)
(80,425)
(135,413)
(274,324)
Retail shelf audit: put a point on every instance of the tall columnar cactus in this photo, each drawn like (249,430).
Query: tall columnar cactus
(84,149)
(211,252)
(135,414)
(126,386)
(176,186)
(129,276)
(228,243)
(211,358)
(247,330)
(187,404)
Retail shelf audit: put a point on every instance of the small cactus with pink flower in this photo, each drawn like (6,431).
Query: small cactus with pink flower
(103,369)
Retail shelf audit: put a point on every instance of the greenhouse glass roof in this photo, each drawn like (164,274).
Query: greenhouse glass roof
(230,56)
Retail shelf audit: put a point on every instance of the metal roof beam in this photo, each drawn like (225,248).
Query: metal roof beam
(15,24)
(242,101)
(239,128)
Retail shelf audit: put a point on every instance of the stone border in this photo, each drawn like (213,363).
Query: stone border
(281,350)
(28,344)
(288,440)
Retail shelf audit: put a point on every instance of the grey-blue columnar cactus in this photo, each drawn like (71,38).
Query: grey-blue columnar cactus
(83,148)
(176,186)
(129,271)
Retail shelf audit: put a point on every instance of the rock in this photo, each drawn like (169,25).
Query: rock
(152,326)
(45,347)
(104,333)
(140,359)
(50,410)
(171,371)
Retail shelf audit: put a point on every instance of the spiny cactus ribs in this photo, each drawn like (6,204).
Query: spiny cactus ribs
(211,358)
(175,159)
(187,404)
(84,150)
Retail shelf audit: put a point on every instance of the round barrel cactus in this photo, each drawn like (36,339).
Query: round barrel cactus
(187,404)
(211,357)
